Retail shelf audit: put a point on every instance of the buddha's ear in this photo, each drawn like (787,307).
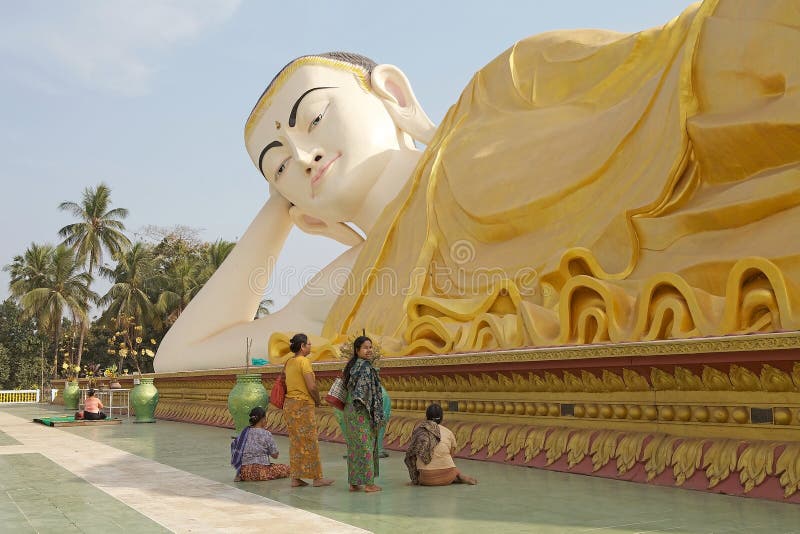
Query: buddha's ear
(392,86)
(316,226)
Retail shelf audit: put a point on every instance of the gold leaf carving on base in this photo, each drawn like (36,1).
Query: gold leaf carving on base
(755,463)
(603,449)
(591,383)
(463,433)
(687,380)
(612,381)
(521,384)
(515,440)
(534,442)
(719,461)
(556,444)
(629,450)
(553,383)
(686,459)
(658,454)
(715,380)
(773,379)
(578,447)
(634,381)
(662,380)
(480,438)
(788,467)
(742,379)
(572,382)
(497,439)
(406,429)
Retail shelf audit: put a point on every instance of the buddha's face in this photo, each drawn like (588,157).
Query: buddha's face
(323,141)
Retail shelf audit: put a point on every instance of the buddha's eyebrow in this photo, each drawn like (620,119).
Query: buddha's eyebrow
(293,114)
(273,144)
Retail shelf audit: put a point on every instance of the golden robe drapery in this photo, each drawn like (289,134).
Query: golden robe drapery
(591,186)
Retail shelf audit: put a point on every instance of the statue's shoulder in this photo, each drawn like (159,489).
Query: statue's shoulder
(565,45)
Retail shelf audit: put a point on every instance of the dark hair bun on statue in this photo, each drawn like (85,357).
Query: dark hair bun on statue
(297,341)
(257,414)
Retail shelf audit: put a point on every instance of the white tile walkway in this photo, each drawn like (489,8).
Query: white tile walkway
(177,500)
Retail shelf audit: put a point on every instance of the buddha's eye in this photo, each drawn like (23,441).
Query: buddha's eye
(317,119)
(281,168)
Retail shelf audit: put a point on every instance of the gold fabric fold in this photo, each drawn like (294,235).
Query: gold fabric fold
(590,186)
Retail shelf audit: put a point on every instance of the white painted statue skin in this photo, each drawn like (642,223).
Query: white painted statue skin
(345,156)
(647,181)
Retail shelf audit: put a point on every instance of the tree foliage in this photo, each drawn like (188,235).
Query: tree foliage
(153,278)
(21,349)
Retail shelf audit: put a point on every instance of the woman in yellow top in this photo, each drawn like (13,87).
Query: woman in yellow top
(301,398)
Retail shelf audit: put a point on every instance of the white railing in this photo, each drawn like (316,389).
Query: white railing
(18,396)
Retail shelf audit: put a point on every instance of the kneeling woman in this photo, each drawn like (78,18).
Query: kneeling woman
(251,451)
(429,458)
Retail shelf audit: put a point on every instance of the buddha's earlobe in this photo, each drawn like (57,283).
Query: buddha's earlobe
(392,86)
(316,226)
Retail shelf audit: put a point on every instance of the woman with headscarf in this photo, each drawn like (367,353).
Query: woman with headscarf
(363,417)
(252,450)
(429,457)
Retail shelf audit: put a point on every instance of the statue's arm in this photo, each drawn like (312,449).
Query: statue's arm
(233,293)
(225,347)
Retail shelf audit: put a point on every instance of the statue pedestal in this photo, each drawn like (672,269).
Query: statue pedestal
(703,414)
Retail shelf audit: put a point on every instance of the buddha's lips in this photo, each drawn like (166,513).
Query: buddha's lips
(321,173)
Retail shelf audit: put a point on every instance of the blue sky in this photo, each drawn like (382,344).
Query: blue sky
(151,97)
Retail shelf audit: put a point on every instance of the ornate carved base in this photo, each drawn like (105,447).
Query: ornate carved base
(719,415)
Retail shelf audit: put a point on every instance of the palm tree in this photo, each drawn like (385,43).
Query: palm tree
(127,301)
(98,229)
(29,270)
(61,288)
(217,252)
(180,283)
(183,276)
(132,275)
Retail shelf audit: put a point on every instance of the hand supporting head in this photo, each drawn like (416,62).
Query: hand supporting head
(324,132)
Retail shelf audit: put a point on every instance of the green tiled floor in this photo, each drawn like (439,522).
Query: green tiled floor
(5,439)
(508,499)
(36,495)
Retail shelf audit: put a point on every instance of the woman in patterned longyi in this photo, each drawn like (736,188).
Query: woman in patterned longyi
(298,408)
(363,417)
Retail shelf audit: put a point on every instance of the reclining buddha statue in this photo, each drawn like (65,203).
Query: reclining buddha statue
(587,187)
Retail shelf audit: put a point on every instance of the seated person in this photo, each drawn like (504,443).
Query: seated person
(251,451)
(92,407)
(429,457)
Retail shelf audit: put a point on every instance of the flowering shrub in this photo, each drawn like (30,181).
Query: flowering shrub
(110,372)
(130,342)
(68,369)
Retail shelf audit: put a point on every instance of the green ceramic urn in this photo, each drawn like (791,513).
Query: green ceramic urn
(144,398)
(248,393)
(72,394)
